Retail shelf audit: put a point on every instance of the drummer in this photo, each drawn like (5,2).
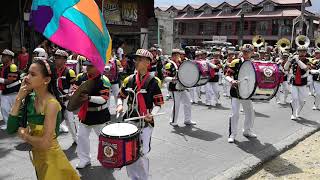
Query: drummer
(232,77)
(94,112)
(180,94)
(145,88)
(66,77)
(212,87)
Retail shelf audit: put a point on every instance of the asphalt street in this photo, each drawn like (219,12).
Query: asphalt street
(192,153)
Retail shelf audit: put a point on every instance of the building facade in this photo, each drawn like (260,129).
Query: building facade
(273,19)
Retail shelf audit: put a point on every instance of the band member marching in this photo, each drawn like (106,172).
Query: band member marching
(66,77)
(284,79)
(232,77)
(315,71)
(9,84)
(195,92)
(212,87)
(299,80)
(180,94)
(144,99)
(226,84)
(94,112)
(112,70)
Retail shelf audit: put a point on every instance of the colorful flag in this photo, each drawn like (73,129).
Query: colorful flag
(77,25)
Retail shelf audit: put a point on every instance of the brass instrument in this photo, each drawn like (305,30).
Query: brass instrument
(284,44)
(302,41)
(258,41)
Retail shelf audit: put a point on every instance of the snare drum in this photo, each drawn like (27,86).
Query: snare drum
(118,145)
(258,80)
(192,74)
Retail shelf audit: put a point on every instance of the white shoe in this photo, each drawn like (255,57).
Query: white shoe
(3,127)
(314,108)
(293,117)
(190,123)
(82,165)
(278,102)
(231,139)
(173,124)
(249,135)
(64,128)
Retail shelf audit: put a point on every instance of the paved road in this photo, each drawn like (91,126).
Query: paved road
(199,152)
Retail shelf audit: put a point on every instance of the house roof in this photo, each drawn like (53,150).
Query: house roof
(237,3)
(288,12)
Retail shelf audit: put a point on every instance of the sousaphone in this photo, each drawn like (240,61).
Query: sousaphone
(284,44)
(258,41)
(302,41)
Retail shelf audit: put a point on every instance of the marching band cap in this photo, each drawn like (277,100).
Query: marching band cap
(262,50)
(144,53)
(302,48)
(40,52)
(285,54)
(197,53)
(231,52)
(62,53)
(174,51)
(7,52)
(203,51)
(182,52)
(247,47)
(216,53)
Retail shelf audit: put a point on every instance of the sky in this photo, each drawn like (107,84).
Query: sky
(315,3)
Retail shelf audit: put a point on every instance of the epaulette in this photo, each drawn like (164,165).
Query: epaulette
(13,68)
(159,82)
(168,66)
(72,73)
(78,76)
(105,81)
(234,62)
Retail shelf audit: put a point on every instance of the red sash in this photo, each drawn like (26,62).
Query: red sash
(141,103)
(298,75)
(59,73)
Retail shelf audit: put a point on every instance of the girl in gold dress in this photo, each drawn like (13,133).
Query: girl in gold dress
(43,119)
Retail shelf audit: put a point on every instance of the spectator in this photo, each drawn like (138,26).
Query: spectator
(23,58)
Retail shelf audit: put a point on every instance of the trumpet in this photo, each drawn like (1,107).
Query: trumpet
(284,44)
(302,41)
(258,41)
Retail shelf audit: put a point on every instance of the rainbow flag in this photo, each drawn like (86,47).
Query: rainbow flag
(77,25)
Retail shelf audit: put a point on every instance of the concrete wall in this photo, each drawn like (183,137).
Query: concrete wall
(165,26)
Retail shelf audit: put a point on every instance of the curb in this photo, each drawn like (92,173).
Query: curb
(252,163)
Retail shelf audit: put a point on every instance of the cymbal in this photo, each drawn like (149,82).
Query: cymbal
(75,102)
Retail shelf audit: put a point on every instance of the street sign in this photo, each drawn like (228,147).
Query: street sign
(219,38)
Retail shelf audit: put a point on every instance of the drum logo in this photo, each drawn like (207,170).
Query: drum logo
(108,151)
(268,72)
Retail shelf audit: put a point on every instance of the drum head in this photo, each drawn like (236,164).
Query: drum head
(188,74)
(247,78)
(119,129)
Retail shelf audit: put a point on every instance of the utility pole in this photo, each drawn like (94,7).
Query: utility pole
(302,17)
(240,37)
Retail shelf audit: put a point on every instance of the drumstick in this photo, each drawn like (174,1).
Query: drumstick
(141,117)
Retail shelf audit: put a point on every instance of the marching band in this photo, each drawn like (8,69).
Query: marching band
(249,73)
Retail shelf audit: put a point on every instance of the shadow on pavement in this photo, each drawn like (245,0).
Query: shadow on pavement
(23,147)
(280,168)
(219,107)
(4,152)
(307,122)
(96,173)
(196,132)
(257,114)
(71,152)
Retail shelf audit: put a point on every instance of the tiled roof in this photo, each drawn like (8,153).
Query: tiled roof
(236,3)
(255,14)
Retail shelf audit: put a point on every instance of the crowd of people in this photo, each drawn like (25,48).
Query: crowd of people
(40,92)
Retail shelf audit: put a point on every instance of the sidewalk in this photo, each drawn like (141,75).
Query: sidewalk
(199,152)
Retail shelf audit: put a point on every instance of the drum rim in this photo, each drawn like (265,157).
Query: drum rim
(255,84)
(129,136)
(199,77)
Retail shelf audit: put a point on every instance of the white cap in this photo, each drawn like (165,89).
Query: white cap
(7,52)
(40,52)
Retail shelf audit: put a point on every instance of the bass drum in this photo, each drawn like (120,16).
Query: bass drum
(258,80)
(192,74)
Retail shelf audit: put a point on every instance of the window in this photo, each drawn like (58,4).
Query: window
(226,28)
(208,28)
(201,29)
(190,11)
(246,8)
(207,11)
(262,27)
(226,10)
(268,7)
(182,28)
